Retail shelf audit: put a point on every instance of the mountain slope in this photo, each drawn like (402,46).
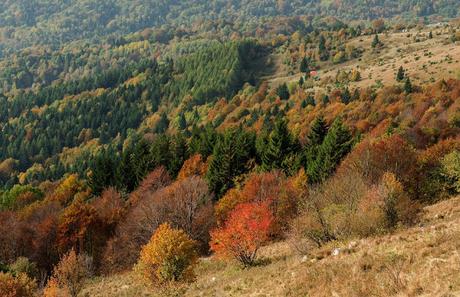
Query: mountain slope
(25,22)
(419,261)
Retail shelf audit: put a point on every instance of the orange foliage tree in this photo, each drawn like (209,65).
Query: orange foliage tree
(195,166)
(246,230)
(69,275)
(74,226)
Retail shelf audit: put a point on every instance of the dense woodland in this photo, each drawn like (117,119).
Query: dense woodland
(24,23)
(125,148)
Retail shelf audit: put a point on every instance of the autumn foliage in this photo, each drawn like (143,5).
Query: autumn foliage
(17,286)
(169,256)
(246,230)
(281,194)
(69,275)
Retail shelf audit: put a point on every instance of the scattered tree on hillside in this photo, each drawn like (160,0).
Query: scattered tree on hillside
(376,41)
(401,74)
(408,86)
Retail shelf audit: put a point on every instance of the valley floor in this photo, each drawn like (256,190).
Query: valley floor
(420,261)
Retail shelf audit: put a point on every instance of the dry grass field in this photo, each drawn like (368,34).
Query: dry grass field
(421,261)
(425,59)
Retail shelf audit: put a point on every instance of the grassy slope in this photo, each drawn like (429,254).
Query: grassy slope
(420,261)
(425,60)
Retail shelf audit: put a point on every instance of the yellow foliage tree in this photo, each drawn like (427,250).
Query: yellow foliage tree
(17,286)
(169,256)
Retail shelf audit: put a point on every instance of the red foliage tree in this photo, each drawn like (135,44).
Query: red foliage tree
(272,188)
(245,231)
(155,180)
(372,158)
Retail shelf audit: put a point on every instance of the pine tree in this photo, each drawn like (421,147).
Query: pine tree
(102,172)
(279,146)
(318,132)
(346,96)
(304,68)
(311,100)
(376,41)
(301,81)
(162,124)
(283,92)
(408,86)
(230,159)
(401,74)
(181,121)
(322,50)
(430,36)
(336,145)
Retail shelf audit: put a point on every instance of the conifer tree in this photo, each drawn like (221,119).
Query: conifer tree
(318,132)
(279,146)
(376,42)
(102,171)
(311,100)
(283,91)
(346,96)
(181,121)
(231,156)
(304,68)
(401,74)
(322,50)
(336,145)
(408,86)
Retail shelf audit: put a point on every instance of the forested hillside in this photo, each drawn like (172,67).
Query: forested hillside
(155,143)
(24,22)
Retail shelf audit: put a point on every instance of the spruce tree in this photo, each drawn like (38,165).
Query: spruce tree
(311,100)
(162,124)
(278,147)
(401,74)
(336,145)
(304,68)
(376,41)
(283,91)
(322,50)
(318,132)
(102,171)
(408,86)
(230,159)
(346,96)
(181,121)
